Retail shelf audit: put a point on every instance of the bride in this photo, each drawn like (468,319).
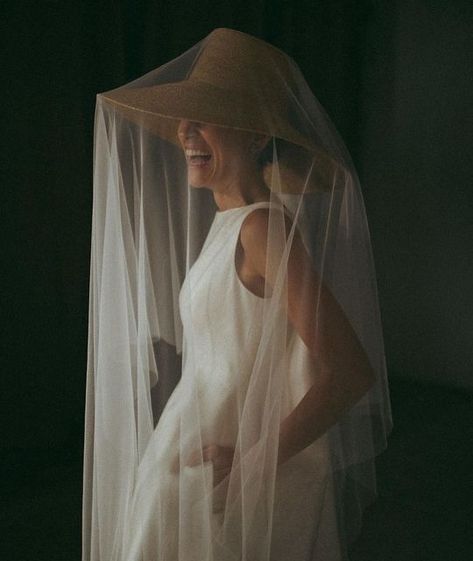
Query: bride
(228,222)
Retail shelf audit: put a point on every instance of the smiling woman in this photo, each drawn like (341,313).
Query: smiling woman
(224,158)
(229,225)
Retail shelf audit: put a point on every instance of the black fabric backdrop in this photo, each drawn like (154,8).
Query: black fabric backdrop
(396,78)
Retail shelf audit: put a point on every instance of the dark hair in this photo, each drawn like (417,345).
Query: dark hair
(266,155)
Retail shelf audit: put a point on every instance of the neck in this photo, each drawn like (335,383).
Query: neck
(241,193)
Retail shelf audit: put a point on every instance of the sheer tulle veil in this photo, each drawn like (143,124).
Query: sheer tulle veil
(163,380)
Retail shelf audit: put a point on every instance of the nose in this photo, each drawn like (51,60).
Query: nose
(186,129)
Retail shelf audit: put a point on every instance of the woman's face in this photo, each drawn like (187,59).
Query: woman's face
(216,156)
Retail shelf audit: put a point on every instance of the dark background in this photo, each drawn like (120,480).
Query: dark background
(396,78)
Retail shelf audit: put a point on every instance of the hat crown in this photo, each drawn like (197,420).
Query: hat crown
(231,59)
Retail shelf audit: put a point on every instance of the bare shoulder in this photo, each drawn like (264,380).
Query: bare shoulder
(255,227)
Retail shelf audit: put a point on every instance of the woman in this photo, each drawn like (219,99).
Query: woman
(266,289)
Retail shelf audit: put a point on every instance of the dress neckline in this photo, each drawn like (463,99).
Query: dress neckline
(228,210)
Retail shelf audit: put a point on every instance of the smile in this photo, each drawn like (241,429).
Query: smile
(197,157)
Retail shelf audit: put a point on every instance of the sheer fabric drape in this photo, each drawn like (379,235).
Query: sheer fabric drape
(182,356)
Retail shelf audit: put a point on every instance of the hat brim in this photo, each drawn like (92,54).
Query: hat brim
(303,165)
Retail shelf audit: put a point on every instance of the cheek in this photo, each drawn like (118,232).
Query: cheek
(228,159)
(218,162)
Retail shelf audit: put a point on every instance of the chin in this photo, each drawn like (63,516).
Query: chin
(199,186)
(198,182)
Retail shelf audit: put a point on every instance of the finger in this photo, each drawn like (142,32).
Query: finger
(210,452)
(195,458)
(207,454)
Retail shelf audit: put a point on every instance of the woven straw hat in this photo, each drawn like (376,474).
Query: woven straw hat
(236,81)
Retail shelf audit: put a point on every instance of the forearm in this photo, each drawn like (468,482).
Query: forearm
(321,407)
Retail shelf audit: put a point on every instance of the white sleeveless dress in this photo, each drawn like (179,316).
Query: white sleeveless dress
(225,320)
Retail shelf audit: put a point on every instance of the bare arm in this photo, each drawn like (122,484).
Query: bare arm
(345,374)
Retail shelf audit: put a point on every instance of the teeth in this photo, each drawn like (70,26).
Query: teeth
(196,153)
